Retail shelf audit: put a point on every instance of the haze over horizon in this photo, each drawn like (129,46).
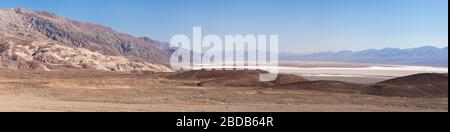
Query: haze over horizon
(304,26)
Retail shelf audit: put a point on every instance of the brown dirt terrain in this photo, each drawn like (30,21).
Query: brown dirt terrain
(421,85)
(86,90)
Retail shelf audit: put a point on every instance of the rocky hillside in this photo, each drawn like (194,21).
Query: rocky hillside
(32,39)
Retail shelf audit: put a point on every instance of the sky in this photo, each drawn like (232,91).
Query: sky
(303,26)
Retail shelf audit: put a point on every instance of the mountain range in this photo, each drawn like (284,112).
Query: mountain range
(43,40)
(421,56)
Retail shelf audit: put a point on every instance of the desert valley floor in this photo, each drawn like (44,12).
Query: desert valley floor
(86,90)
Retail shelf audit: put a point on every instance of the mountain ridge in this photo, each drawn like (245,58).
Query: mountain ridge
(422,56)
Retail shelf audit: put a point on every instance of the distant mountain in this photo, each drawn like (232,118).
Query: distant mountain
(422,56)
(41,39)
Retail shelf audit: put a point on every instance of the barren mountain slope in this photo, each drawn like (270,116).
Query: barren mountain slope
(31,38)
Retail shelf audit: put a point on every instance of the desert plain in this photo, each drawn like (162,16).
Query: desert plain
(74,90)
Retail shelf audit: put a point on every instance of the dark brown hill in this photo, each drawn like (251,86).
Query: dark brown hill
(427,85)
(234,78)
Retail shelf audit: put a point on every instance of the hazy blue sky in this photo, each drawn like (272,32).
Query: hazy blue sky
(304,26)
